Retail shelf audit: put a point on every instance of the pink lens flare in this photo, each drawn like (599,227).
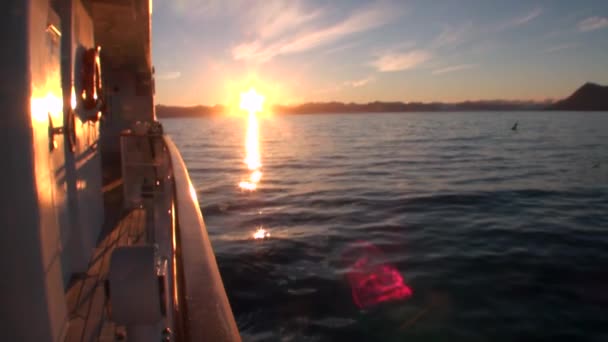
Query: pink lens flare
(373,282)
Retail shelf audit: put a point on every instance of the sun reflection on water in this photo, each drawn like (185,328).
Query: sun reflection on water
(252,102)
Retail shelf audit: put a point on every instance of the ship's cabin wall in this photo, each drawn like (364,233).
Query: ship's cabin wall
(20,234)
(122,29)
(53,207)
(83,166)
(128,101)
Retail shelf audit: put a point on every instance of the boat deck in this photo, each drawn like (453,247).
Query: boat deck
(86,298)
(155,182)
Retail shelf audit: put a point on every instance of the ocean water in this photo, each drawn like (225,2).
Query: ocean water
(500,234)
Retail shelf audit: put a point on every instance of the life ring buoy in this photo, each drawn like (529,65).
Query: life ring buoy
(92,91)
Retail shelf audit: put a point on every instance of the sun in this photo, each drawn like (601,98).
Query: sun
(251,101)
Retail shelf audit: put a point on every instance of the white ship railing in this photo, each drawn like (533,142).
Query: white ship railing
(202,307)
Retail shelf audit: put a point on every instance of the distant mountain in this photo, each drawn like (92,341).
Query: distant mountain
(383,107)
(194,111)
(163,111)
(590,96)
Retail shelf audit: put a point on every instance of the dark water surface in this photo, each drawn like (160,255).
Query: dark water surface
(501,234)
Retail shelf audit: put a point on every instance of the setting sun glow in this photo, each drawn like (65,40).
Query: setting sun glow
(252,102)
(261,233)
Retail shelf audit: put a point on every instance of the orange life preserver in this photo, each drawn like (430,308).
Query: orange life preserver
(91,81)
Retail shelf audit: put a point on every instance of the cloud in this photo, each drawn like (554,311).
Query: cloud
(592,24)
(533,14)
(453,35)
(453,68)
(401,61)
(359,83)
(263,49)
(170,75)
(254,51)
(398,46)
(338,48)
(521,20)
(203,8)
(560,47)
(333,88)
(274,18)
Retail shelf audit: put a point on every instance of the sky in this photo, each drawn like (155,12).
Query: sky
(206,52)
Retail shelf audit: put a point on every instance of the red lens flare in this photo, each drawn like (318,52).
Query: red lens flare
(373,282)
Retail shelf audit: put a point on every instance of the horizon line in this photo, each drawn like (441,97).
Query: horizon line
(545,101)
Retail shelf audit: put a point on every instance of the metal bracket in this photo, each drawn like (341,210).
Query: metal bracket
(53,131)
(70,131)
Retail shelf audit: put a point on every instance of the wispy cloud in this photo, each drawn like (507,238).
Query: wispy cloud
(592,24)
(401,61)
(254,51)
(204,8)
(333,88)
(403,45)
(453,68)
(560,47)
(359,83)
(342,47)
(453,35)
(302,39)
(274,18)
(170,75)
(524,19)
(521,20)
(480,36)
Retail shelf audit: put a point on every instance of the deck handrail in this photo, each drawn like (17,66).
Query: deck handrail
(206,314)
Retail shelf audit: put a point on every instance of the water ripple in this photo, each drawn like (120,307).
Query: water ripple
(502,235)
